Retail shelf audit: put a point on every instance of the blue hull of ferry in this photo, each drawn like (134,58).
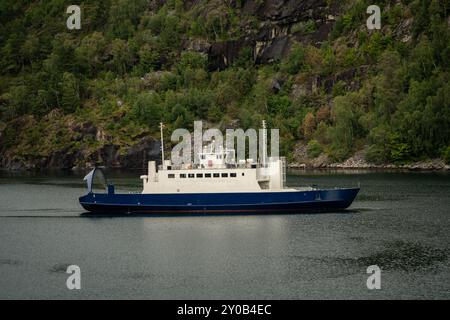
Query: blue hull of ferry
(242,202)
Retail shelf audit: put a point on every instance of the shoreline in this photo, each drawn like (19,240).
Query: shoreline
(428,166)
(290,166)
(358,162)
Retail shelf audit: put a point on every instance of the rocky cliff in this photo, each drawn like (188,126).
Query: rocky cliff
(66,143)
(272,34)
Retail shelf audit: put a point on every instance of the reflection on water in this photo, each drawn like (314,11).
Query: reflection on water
(399,221)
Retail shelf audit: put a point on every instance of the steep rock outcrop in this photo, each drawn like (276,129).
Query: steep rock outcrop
(274,35)
(85,145)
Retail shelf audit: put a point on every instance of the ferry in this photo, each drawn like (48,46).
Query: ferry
(215,185)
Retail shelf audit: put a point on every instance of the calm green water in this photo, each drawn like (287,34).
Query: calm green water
(399,221)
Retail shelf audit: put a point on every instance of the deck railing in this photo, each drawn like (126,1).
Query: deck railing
(227,166)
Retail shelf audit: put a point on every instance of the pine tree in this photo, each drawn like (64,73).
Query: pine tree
(70,100)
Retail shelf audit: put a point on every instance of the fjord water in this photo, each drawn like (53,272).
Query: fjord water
(400,221)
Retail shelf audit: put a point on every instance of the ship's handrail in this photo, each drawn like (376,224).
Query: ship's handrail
(197,166)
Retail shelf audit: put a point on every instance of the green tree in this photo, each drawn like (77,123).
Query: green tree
(314,149)
(124,16)
(388,85)
(149,59)
(121,56)
(342,133)
(148,109)
(70,100)
(295,61)
(19,100)
(91,52)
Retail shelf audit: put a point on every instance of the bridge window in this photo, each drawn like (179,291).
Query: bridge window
(224,175)
(182,175)
(207,175)
(171,175)
(199,175)
(190,175)
(233,175)
(216,175)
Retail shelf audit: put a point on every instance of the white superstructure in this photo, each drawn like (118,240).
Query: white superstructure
(216,171)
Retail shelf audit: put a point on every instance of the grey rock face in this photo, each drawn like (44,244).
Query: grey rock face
(273,38)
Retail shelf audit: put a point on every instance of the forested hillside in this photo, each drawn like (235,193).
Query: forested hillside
(75,98)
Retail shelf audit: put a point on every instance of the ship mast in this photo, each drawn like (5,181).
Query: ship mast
(161,126)
(264,143)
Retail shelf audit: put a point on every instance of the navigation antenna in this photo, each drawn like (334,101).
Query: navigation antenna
(161,126)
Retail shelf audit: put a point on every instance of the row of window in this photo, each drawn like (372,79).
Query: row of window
(219,156)
(206,175)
